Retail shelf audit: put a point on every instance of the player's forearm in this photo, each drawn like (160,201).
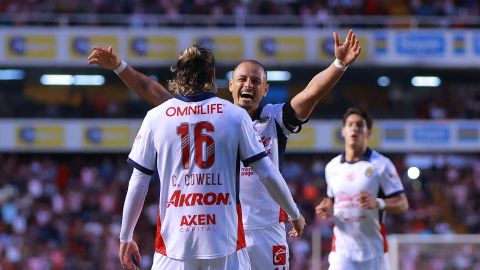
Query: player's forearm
(397,204)
(304,102)
(137,190)
(148,89)
(276,186)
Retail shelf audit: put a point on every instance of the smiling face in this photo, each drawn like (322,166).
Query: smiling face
(248,85)
(355,131)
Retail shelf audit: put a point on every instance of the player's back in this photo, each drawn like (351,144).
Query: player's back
(199,141)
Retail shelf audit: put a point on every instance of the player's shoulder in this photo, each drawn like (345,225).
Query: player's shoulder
(379,161)
(377,157)
(334,162)
(270,109)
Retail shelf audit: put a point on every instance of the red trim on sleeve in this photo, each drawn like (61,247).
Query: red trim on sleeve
(159,243)
(334,248)
(240,233)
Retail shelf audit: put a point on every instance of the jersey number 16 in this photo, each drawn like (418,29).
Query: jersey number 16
(203,143)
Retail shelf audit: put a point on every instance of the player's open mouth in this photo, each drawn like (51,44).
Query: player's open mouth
(246,95)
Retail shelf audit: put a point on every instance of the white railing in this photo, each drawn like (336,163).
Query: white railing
(414,251)
(325,21)
(417,251)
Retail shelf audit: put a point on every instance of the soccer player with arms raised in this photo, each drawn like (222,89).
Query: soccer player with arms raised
(196,141)
(362,185)
(263,219)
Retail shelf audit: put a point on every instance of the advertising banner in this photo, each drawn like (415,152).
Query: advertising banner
(148,47)
(31,47)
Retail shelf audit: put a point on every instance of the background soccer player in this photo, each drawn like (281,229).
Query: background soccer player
(263,219)
(361,185)
(196,141)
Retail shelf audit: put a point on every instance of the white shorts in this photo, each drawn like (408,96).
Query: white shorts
(267,247)
(338,262)
(238,260)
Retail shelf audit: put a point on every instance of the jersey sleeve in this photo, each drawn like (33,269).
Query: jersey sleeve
(328,176)
(143,154)
(390,182)
(251,147)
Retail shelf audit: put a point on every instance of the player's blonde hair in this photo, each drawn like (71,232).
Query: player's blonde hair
(194,72)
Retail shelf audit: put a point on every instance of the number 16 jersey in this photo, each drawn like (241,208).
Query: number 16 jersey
(196,143)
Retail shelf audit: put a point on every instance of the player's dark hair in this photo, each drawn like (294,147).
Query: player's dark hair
(359,111)
(264,70)
(194,72)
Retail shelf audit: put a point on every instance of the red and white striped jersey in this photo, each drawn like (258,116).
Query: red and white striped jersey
(359,233)
(259,209)
(196,143)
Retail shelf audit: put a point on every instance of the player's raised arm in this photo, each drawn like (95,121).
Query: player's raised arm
(148,89)
(346,53)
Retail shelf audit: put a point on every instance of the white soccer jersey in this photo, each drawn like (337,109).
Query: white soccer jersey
(359,233)
(196,143)
(259,209)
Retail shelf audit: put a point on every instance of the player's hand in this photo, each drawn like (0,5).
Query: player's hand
(368,201)
(104,57)
(347,51)
(298,227)
(324,209)
(127,250)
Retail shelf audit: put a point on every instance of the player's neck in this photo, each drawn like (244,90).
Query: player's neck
(354,153)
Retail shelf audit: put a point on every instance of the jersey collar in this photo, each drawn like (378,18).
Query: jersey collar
(197,97)
(256,115)
(365,157)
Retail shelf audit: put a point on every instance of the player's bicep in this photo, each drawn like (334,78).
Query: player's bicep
(143,153)
(289,119)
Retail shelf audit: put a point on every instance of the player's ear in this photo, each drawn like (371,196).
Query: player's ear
(230,85)
(267,87)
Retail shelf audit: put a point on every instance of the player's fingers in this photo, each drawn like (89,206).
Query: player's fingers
(110,49)
(336,39)
(293,233)
(137,256)
(93,61)
(92,55)
(355,45)
(126,263)
(320,209)
(358,51)
(349,36)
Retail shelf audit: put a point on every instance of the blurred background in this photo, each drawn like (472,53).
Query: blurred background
(66,128)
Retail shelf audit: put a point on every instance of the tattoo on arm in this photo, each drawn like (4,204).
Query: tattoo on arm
(144,83)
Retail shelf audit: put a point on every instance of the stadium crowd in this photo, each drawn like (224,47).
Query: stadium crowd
(239,7)
(310,11)
(64,211)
